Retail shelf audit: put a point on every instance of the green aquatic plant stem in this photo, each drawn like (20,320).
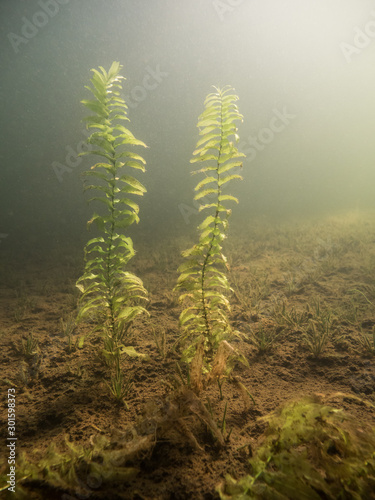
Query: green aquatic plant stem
(111,295)
(203,275)
(214,235)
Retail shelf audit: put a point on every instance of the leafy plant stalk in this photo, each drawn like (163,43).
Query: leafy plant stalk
(111,296)
(202,276)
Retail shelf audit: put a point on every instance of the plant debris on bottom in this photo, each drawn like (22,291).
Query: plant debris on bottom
(313,452)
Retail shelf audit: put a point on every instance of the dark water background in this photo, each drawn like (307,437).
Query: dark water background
(304,72)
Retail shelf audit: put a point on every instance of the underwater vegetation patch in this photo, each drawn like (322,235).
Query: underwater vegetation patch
(111,460)
(108,291)
(202,279)
(186,435)
(310,451)
(112,297)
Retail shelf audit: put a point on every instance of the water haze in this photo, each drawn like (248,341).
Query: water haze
(303,71)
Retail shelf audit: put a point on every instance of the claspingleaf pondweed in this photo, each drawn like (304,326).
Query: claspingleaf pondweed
(111,296)
(202,277)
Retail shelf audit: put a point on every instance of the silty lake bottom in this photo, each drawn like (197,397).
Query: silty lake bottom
(297,416)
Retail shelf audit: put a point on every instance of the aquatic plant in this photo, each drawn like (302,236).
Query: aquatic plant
(120,385)
(76,469)
(111,295)
(30,346)
(24,305)
(367,341)
(319,328)
(202,277)
(29,368)
(263,337)
(160,339)
(98,468)
(285,316)
(19,313)
(250,290)
(310,451)
(316,336)
(67,327)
